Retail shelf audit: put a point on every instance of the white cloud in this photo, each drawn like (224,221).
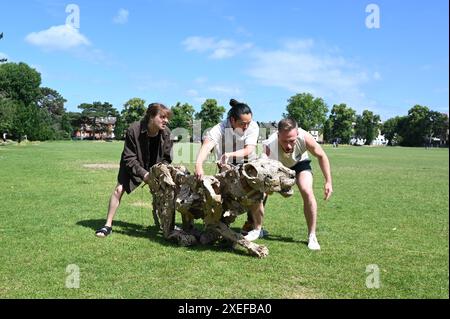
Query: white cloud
(192,92)
(200,99)
(69,39)
(243,31)
(298,44)
(95,56)
(226,90)
(230,18)
(150,83)
(377,75)
(195,96)
(61,37)
(199,44)
(297,68)
(121,17)
(201,80)
(217,49)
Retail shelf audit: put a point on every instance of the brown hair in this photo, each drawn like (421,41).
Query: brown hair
(155,109)
(286,125)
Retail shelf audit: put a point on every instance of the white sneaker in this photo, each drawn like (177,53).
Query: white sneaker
(253,235)
(313,244)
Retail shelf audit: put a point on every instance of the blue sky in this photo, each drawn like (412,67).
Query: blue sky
(260,52)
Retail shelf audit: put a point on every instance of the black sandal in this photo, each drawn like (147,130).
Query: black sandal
(105,230)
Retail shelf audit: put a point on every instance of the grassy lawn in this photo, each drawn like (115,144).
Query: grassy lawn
(389,209)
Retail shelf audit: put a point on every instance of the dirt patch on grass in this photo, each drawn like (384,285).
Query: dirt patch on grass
(101,166)
(141,204)
(300,293)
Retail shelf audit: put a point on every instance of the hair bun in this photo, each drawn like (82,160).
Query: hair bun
(234,103)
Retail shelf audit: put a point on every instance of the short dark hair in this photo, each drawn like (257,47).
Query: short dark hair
(237,109)
(156,108)
(287,124)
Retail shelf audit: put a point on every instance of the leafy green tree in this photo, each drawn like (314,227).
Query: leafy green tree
(367,126)
(75,119)
(19,82)
(52,101)
(439,126)
(417,128)
(210,114)
(33,122)
(340,123)
(390,129)
(133,110)
(7,113)
(328,131)
(359,129)
(182,116)
(65,126)
(120,128)
(98,109)
(309,112)
(2,60)
(181,123)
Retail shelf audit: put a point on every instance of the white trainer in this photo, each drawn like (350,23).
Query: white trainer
(253,235)
(313,244)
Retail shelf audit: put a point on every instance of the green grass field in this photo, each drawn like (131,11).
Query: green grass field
(389,209)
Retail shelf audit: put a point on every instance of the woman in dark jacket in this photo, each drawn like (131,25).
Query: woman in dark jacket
(147,142)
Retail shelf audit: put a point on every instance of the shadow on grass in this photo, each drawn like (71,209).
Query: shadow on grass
(153,233)
(275,237)
(128,229)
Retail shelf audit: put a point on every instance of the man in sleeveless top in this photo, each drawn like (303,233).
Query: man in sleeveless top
(290,145)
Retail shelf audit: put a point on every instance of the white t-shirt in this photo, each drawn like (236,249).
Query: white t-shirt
(300,152)
(228,140)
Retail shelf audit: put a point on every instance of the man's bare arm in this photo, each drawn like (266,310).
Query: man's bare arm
(315,149)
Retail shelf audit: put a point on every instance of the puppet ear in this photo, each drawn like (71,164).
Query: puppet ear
(166,176)
(249,172)
(208,184)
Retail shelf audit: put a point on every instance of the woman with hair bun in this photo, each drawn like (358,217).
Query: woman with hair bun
(235,141)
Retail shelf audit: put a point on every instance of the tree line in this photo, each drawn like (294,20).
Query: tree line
(27,109)
(415,129)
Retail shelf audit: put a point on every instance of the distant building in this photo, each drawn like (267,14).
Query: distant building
(380,140)
(98,128)
(266,129)
(315,132)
